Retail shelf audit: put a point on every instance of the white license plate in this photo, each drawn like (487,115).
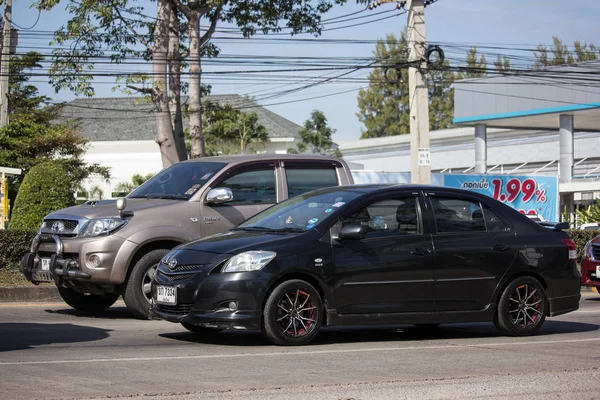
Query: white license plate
(166,295)
(597,271)
(45,264)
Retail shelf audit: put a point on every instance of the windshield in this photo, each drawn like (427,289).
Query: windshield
(303,212)
(180,181)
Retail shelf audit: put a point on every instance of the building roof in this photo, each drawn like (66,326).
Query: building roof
(132,118)
(531,99)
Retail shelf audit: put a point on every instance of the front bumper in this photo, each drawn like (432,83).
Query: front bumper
(206,299)
(589,273)
(52,258)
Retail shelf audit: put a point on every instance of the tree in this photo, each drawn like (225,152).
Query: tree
(34,136)
(316,136)
(231,131)
(559,54)
(136,181)
(475,68)
(47,187)
(502,64)
(119,30)
(100,27)
(384,105)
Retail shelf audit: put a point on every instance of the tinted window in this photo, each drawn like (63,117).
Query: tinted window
(252,187)
(301,180)
(178,181)
(395,216)
(457,215)
(304,211)
(493,222)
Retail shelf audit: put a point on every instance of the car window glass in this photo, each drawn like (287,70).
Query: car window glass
(457,215)
(179,181)
(303,212)
(302,180)
(493,222)
(390,216)
(251,187)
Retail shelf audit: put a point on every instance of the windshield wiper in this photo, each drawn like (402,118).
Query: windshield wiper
(167,196)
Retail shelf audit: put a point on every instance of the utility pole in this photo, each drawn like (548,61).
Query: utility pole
(4,63)
(420,154)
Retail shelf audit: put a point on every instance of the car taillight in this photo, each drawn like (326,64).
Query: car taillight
(572,248)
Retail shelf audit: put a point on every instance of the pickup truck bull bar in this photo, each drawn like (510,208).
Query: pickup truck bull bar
(59,266)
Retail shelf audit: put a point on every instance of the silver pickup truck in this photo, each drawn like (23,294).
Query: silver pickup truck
(103,249)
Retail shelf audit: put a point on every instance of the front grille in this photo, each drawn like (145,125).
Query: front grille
(596,251)
(183,268)
(69,227)
(175,277)
(179,309)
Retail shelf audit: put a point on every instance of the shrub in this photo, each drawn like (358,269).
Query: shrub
(47,187)
(581,237)
(13,243)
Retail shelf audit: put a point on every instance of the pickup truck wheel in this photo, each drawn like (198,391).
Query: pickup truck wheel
(87,302)
(137,294)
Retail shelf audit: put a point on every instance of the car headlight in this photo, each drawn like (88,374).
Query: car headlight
(248,261)
(101,226)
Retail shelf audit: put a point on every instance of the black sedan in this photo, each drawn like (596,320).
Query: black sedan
(378,255)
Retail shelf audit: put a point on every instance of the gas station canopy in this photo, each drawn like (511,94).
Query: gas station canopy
(532,99)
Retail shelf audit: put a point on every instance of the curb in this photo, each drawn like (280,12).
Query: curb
(14,294)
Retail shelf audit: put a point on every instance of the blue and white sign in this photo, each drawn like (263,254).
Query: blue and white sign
(527,194)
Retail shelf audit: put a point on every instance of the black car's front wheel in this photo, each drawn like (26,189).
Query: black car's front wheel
(522,308)
(293,313)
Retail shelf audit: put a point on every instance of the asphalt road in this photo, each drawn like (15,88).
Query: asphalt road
(50,351)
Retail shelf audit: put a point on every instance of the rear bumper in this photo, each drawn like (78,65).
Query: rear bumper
(563,305)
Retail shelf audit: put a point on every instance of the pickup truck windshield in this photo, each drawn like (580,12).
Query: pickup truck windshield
(301,213)
(179,181)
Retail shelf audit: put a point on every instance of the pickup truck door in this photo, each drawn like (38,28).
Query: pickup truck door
(254,187)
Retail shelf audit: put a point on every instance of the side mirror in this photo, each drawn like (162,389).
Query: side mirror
(121,204)
(353,232)
(219,196)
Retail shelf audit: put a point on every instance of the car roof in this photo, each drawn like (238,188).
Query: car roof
(241,158)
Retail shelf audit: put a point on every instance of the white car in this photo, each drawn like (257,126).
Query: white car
(594,226)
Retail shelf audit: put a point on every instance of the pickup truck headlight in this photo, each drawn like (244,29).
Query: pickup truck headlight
(248,261)
(101,226)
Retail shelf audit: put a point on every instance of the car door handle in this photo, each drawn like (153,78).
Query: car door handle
(420,251)
(500,247)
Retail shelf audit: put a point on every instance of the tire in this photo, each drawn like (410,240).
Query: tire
(522,308)
(303,303)
(87,302)
(200,330)
(136,298)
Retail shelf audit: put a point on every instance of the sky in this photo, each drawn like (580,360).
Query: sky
(453,24)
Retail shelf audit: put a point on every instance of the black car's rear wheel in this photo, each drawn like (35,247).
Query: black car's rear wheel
(293,313)
(87,302)
(522,307)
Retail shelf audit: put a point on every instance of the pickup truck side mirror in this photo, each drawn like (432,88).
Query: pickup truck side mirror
(352,232)
(219,196)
